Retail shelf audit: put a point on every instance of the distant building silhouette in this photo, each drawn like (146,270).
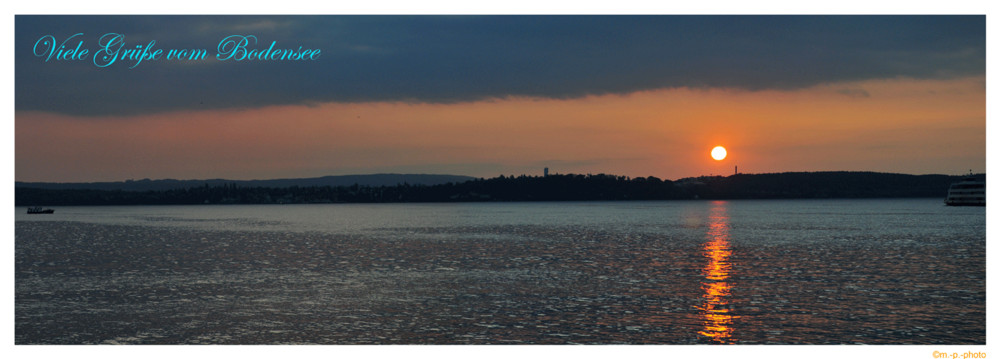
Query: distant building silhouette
(546,171)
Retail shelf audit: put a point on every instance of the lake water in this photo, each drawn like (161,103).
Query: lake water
(906,271)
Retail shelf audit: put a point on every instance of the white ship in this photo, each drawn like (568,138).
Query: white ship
(967,192)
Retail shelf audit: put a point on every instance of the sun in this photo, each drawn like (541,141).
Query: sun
(719,153)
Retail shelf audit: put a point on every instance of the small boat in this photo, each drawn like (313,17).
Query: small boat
(39,210)
(970,191)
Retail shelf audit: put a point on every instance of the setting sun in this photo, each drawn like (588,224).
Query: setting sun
(719,153)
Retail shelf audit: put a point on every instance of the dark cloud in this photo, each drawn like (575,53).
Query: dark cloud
(464,58)
(854,92)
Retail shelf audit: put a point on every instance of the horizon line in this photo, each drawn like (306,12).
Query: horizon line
(479,177)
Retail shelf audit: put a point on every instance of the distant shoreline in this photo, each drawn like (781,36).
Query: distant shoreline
(569,187)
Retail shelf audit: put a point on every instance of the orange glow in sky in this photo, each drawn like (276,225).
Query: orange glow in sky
(901,126)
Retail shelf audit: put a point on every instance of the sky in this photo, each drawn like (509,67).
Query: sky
(500,95)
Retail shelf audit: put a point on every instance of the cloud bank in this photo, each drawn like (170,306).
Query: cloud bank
(452,59)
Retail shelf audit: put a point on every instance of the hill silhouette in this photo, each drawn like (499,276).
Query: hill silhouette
(384,179)
(820,185)
(569,187)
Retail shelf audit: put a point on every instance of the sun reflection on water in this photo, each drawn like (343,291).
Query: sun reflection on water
(715,310)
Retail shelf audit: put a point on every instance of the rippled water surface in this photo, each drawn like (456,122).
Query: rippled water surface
(675,272)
